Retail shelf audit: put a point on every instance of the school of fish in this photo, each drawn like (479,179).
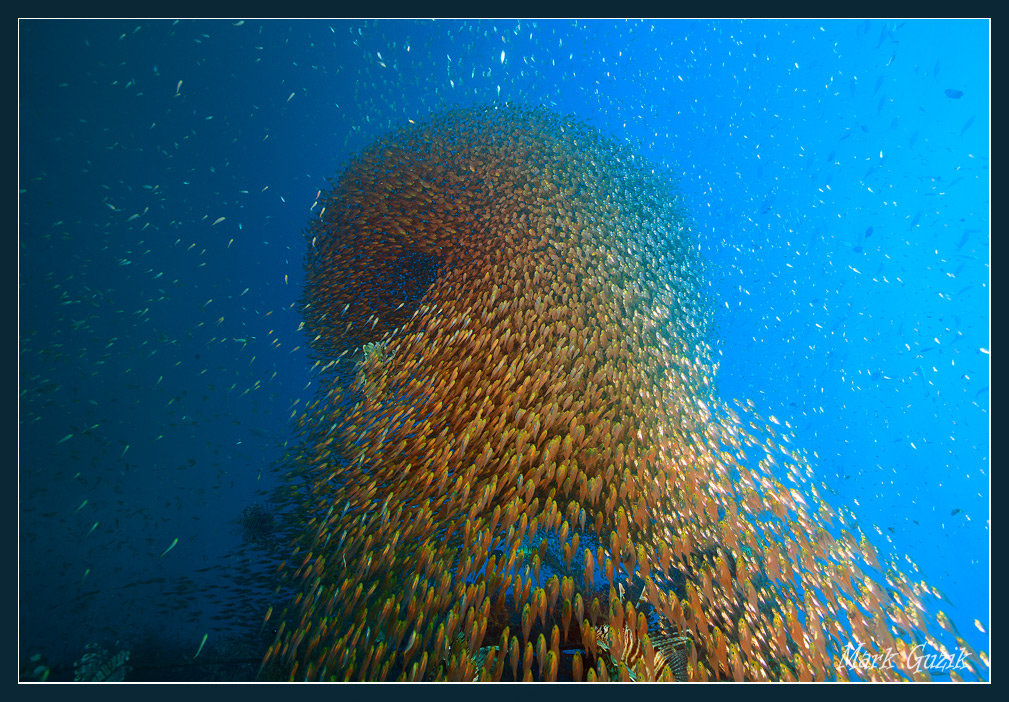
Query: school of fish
(519,422)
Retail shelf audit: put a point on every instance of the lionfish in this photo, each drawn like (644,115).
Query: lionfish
(98,665)
(669,651)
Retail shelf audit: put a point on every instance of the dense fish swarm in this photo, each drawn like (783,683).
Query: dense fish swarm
(518,466)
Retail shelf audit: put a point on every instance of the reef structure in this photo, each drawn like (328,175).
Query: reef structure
(518,424)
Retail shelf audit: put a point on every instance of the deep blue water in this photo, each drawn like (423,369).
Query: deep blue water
(837,174)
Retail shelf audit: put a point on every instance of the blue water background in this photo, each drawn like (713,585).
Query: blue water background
(838,188)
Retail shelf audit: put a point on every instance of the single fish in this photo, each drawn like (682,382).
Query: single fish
(201,645)
(169,548)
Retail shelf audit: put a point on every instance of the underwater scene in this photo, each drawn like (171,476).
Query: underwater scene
(504,350)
